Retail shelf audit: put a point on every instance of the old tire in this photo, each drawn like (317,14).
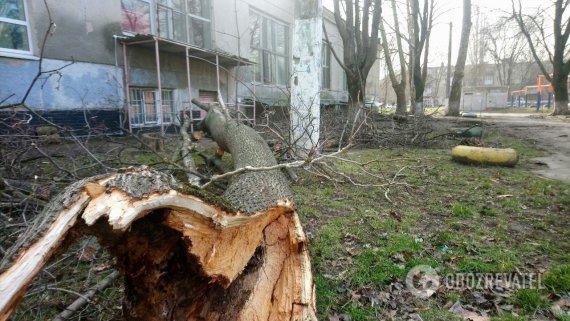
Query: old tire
(482,155)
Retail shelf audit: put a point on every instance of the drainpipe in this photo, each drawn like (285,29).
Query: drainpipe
(189,91)
(116,38)
(218,78)
(159,95)
(127,89)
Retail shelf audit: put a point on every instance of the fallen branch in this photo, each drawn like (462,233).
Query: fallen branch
(85,298)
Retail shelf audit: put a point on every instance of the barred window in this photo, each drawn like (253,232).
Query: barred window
(144,106)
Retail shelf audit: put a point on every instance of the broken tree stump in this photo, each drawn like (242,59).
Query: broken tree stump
(184,254)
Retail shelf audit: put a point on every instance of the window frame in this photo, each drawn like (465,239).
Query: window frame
(326,65)
(167,106)
(26,23)
(152,15)
(189,17)
(267,57)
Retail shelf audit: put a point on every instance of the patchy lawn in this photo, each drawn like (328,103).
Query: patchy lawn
(452,217)
(365,239)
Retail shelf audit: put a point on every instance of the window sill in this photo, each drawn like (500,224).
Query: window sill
(149,125)
(265,84)
(25,56)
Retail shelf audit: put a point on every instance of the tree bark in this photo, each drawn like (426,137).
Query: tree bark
(560,89)
(455,94)
(184,254)
(400,91)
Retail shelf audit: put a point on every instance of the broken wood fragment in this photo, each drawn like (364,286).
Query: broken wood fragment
(184,254)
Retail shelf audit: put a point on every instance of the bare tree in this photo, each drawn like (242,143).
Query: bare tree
(456,85)
(477,46)
(398,85)
(506,47)
(360,43)
(421,25)
(542,41)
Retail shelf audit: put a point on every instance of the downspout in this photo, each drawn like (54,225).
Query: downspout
(189,91)
(116,38)
(127,89)
(158,78)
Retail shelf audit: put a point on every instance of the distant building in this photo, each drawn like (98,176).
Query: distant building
(484,85)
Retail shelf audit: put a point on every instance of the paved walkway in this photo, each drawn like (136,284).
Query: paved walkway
(551,134)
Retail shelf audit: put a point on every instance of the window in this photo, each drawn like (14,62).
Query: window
(185,21)
(136,16)
(269,49)
(14,27)
(144,106)
(488,80)
(326,66)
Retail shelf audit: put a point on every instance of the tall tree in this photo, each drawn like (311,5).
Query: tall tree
(456,85)
(543,40)
(477,46)
(421,25)
(506,47)
(398,85)
(360,43)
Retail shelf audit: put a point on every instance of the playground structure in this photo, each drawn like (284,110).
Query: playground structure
(537,96)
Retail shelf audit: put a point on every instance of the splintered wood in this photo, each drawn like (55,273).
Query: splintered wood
(182,257)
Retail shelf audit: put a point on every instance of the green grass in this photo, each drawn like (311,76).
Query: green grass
(509,317)
(558,279)
(461,211)
(531,301)
(456,218)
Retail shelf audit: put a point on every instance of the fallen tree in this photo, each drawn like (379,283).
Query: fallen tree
(184,253)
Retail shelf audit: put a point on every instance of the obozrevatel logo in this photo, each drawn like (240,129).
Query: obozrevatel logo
(422,281)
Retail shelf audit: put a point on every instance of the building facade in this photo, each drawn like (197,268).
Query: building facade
(136,64)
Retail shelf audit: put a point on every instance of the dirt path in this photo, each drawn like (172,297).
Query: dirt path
(550,134)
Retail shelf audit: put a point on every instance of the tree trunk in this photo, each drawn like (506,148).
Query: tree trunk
(455,94)
(356,94)
(400,91)
(398,85)
(184,254)
(560,89)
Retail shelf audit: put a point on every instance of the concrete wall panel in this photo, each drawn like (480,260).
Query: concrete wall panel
(75,86)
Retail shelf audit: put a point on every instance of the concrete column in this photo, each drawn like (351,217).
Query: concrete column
(305,79)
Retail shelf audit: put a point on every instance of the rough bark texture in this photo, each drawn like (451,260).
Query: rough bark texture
(455,94)
(183,254)
(250,191)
